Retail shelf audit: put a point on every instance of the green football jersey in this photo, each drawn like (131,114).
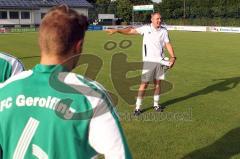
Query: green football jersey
(49,113)
(9,66)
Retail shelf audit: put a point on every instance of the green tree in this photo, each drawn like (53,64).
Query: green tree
(102,6)
(112,8)
(124,10)
(141,2)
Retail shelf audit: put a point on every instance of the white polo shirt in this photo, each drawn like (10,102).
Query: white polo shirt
(154,41)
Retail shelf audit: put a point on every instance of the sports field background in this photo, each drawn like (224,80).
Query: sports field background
(202,118)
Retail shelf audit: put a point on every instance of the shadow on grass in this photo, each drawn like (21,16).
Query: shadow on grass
(224,85)
(224,148)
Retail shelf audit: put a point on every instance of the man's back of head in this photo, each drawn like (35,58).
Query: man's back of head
(60,30)
(52,113)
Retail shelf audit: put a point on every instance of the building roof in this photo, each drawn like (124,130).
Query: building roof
(35,4)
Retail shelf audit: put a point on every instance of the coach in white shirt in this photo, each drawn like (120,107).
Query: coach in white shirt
(155,39)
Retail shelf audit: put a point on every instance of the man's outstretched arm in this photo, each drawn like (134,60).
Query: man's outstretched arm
(126,31)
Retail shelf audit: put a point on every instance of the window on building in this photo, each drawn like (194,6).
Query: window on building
(42,15)
(3,14)
(14,15)
(25,15)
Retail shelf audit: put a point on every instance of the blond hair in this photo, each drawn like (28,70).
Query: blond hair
(60,29)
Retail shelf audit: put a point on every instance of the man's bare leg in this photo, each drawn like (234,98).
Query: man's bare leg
(156,97)
(143,86)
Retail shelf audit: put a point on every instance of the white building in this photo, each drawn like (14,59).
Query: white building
(25,13)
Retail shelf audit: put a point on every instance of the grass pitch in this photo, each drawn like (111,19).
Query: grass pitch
(201,120)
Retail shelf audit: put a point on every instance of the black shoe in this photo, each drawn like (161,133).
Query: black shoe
(158,108)
(137,112)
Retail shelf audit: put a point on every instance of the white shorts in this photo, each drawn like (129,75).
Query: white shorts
(152,71)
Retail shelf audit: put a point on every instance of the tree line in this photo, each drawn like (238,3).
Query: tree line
(207,12)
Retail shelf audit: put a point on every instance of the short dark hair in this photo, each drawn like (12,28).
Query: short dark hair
(60,29)
(155,13)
